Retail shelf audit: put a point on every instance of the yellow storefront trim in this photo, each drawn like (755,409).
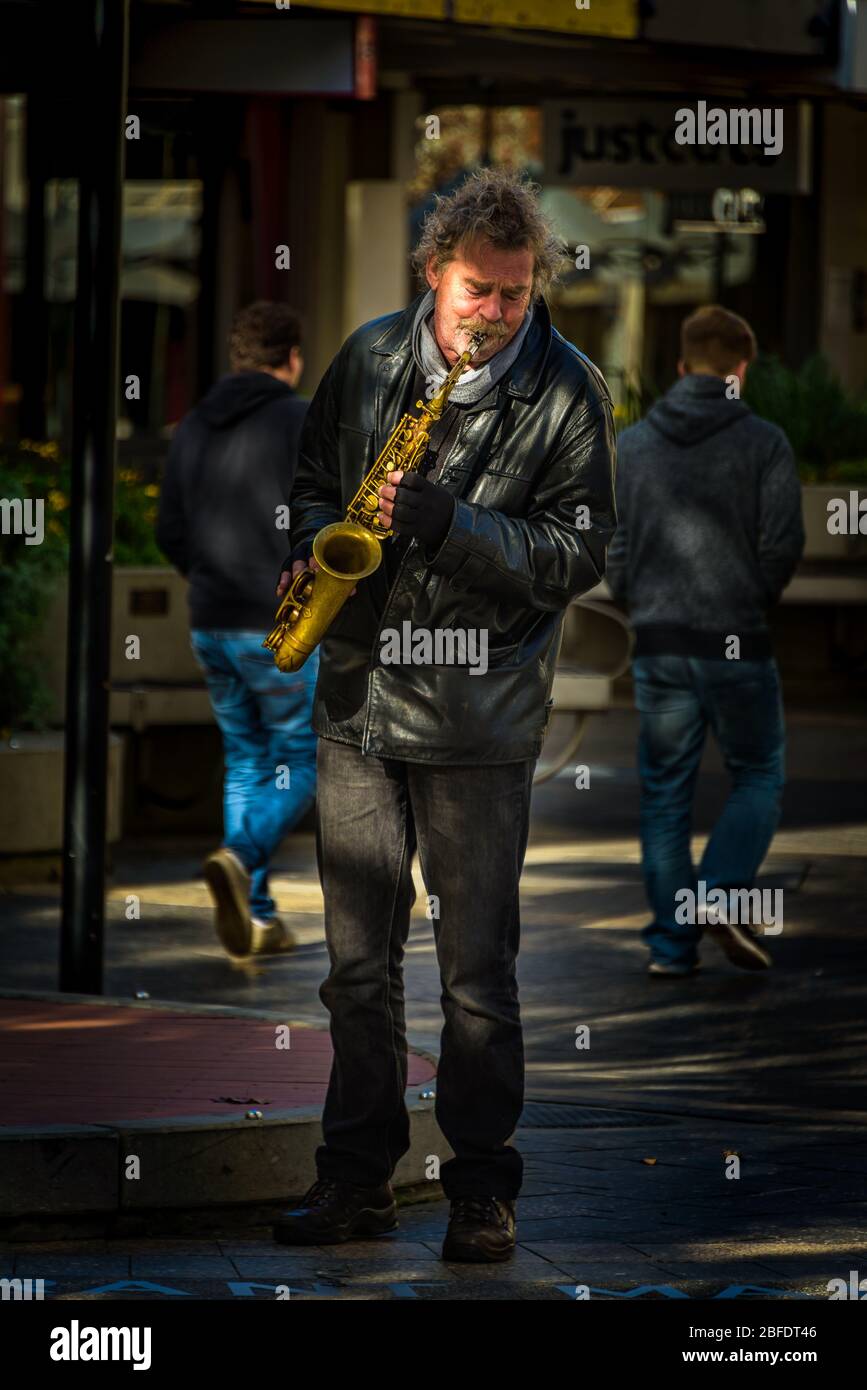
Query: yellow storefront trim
(609,19)
(409,9)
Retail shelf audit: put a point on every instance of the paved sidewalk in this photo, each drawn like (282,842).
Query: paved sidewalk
(115,1112)
(643,1212)
(770,1067)
(96,1063)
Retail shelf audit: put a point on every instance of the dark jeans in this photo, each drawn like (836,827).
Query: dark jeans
(470,826)
(679,698)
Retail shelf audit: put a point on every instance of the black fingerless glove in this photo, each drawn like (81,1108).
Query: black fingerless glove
(300,552)
(422,510)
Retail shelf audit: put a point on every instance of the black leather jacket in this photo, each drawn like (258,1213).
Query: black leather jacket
(511,561)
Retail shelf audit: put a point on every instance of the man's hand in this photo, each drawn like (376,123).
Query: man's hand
(412,506)
(297,566)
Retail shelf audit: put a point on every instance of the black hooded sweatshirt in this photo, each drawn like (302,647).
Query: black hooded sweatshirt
(709,527)
(222,518)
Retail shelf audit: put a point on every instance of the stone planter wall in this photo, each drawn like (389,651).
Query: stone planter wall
(31,792)
(820,544)
(149,603)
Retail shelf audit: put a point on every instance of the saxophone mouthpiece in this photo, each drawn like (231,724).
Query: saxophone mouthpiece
(477,340)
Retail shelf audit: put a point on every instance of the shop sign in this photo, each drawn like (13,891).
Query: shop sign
(646,144)
(736,210)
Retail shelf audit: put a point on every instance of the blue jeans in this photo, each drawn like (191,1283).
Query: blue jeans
(678,698)
(269,747)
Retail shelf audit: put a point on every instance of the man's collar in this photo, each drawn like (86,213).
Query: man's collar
(526,370)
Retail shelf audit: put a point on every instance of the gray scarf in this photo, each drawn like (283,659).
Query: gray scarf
(475,383)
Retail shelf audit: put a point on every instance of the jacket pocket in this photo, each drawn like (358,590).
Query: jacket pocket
(504,656)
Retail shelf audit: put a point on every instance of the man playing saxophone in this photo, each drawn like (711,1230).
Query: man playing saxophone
(508,522)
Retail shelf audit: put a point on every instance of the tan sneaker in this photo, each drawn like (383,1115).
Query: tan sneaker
(661,967)
(739,941)
(272,938)
(229,884)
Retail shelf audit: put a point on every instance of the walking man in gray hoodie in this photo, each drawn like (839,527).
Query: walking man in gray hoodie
(709,534)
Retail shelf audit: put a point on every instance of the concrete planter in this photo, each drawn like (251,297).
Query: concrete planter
(820,544)
(31,792)
(149,603)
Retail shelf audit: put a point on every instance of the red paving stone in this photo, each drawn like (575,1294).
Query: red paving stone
(74,1063)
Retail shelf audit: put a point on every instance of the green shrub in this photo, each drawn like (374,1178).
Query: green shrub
(825,424)
(135,517)
(30,573)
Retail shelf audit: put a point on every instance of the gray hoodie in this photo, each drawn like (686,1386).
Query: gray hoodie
(709,522)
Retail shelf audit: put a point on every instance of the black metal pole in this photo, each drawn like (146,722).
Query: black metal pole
(95,386)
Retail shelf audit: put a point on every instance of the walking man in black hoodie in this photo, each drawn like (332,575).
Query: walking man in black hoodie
(222,522)
(709,534)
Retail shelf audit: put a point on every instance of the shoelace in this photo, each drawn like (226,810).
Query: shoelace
(477,1208)
(321,1193)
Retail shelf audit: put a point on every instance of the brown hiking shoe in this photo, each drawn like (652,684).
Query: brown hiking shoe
(481,1230)
(331,1212)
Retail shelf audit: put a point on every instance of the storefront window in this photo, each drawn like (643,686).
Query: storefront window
(637,272)
(454,139)
(642,258)
(160,291)
(160,287)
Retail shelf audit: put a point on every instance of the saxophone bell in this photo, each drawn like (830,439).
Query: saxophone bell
(345,554)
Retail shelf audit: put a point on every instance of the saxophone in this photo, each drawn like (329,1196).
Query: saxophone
(348,551)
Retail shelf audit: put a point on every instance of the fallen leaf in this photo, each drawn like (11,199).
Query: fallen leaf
(238,1100)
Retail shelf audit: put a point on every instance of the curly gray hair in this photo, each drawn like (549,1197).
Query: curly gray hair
(501,207)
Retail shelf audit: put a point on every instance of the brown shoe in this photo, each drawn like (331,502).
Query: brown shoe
(332,1212)
(229,884)
(481,1230)
(739,941)
(272,938)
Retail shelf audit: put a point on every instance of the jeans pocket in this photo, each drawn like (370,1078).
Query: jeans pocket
(264,659)
(651,698)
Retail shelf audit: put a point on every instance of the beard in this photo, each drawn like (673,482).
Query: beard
(494,333)
(495,336)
